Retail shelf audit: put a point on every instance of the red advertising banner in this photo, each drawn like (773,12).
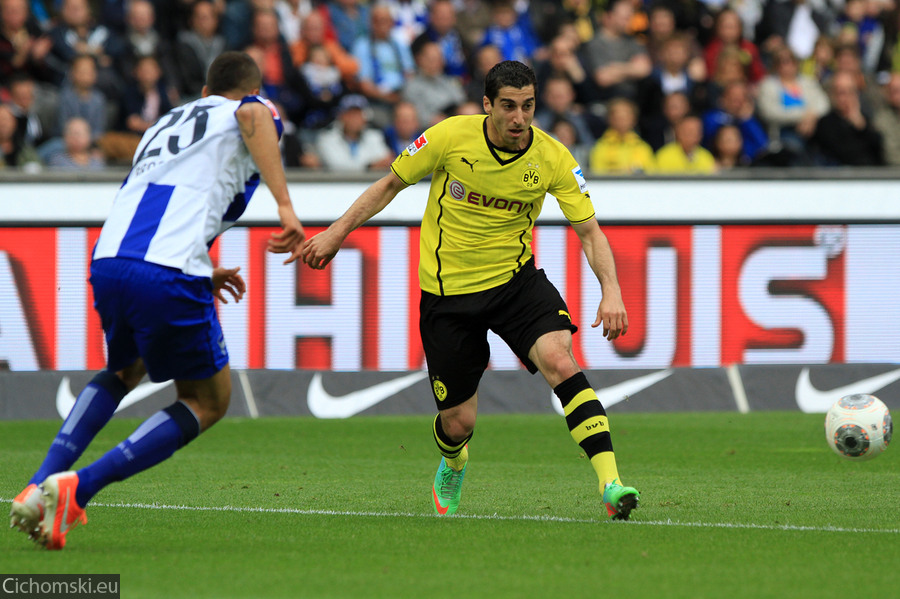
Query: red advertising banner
(697,295)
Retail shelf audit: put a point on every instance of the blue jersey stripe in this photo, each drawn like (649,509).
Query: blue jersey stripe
(145,222)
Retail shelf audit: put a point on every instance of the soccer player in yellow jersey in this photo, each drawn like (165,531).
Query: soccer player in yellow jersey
(490,176)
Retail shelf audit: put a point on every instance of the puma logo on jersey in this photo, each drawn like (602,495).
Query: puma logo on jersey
(471,165)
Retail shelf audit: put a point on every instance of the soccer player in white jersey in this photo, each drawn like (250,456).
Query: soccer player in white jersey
(154,283)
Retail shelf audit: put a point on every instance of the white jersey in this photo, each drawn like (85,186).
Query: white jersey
(191,179)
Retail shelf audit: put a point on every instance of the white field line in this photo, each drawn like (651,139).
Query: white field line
(519,518)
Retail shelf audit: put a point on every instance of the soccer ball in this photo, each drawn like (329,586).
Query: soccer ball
(858,427)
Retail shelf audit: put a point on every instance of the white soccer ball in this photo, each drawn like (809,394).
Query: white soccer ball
(858,427)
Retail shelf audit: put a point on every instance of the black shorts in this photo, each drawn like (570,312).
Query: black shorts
(454,330)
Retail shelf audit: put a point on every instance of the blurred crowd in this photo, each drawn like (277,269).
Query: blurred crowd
(631,86)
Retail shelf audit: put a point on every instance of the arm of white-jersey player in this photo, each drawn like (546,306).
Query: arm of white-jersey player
(261,138)
(320,249)
(611,312)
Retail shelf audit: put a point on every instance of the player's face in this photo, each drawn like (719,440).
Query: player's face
(510,116)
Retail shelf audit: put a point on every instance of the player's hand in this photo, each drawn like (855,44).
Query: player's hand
(290,239)
(320,249)
(229,280)
(611,314)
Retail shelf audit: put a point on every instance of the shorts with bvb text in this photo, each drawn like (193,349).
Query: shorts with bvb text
(454,330)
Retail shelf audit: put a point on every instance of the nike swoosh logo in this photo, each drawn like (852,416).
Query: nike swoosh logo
(437,503)
(812,400)
(324,405)
(610,396)
(64,525)
(65,399)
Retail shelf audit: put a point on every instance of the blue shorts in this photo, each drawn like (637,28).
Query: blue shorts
(159,314)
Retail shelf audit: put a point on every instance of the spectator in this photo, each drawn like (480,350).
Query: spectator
(798,24)
(728,148)
(23,46)
(485,58)
(558,102)
(616,60)
(33,111)
(845,136)
(236,19)
(858,26)
(77,153)
(143,102)
(435,94)
(659,129)
(661,26)
(384,65)
(313,33)
(80,97)
(350,20)
(791,104)
(729,69)
(410,17)
(563,61)
(728,33)
(847,59)
(77,34)
(441,28)
(567,134)
(291,14)
(142,39)
(473,18)
(820,64)
(620,150)
(672,74)
(736,107)
(15,152)
(325,88)
(404,129)
(282,81)
(887,120)
(196,48)
(511,33)
(685,155)
(351,144)
(550,16)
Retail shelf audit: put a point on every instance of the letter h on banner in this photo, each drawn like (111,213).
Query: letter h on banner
(286,321)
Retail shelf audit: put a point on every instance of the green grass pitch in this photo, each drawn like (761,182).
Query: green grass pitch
(733,506)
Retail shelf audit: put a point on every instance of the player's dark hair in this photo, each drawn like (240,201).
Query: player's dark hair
(508,73)
(233,71)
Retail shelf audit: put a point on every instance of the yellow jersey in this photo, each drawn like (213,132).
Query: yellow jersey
(621,154)
(672,159)
(477,228)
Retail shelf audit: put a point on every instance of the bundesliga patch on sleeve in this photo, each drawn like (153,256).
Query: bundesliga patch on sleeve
(417,145)
(579,178)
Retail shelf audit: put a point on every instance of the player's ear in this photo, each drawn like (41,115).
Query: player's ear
(204,92)
(487,104)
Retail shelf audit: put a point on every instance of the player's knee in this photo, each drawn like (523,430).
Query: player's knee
(458,425)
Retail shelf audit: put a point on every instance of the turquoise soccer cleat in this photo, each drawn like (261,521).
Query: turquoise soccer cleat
(619,500)
(447,489)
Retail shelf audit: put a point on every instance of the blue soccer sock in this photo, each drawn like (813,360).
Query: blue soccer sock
(92,410)
(154,441)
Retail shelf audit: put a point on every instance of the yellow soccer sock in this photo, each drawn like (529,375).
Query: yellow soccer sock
(588,425)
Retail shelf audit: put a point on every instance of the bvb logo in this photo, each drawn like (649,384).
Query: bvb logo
(440,391)
(531,179)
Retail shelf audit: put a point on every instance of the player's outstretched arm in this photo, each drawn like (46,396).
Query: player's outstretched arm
(611,312)
(261,139)
(320,249)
